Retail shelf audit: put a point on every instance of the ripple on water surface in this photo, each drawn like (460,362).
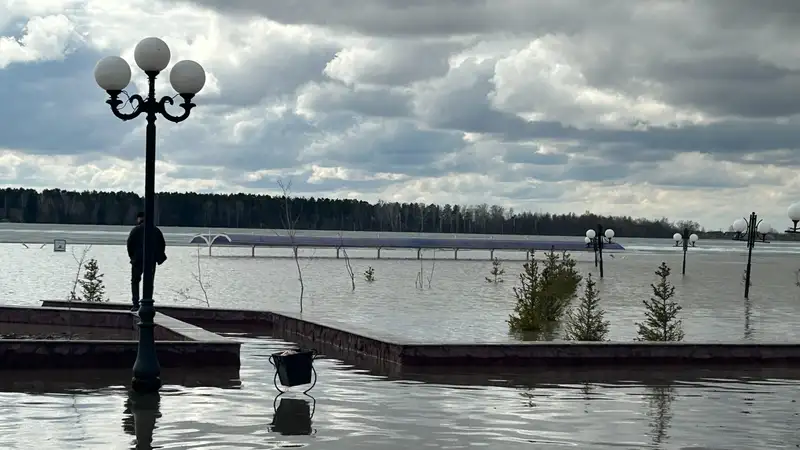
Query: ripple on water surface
(352,409)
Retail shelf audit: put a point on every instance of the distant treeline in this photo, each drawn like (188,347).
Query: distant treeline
(263,211)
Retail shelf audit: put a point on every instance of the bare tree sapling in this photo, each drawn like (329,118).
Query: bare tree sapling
(289,224)
(347,264)
(202,282)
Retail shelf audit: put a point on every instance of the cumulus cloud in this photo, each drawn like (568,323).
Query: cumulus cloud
(653,108)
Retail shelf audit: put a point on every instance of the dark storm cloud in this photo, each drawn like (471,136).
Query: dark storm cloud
(415,18)
(389,101)
(695,180)
(526,154)
(730,85)
(371,102)
(400,147)
(275,144)
(467,107)
(394,62)
(301,186)
(54,108)
(596,171)
(270,76)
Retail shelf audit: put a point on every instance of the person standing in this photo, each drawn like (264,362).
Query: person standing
(136,255)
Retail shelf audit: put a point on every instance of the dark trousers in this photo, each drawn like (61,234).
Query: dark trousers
(137,270)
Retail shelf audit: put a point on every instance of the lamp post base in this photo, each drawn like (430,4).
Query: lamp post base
(146,370)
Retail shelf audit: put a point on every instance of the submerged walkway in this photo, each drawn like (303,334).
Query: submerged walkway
(392,353)
(397,241)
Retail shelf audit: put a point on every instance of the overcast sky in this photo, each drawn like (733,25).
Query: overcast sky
(685,109)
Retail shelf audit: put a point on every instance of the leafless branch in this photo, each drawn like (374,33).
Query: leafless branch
(347,264)
(289,223)
(433,266)
(202,282)
(199,278)
(420,277)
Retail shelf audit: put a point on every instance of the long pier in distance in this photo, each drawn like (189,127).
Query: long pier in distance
(389,240)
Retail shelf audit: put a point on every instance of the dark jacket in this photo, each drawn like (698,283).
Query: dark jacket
(136,246)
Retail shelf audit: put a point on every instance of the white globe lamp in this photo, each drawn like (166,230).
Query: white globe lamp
(609,234)
(591,234)
(794,216)
(739,225)
(112,73)
(187,77)
(586,240)
(677,237)
(764,228)
(152,54)
(693,238)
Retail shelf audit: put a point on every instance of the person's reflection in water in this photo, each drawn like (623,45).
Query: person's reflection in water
(293,415)
(659,399)
(139,420)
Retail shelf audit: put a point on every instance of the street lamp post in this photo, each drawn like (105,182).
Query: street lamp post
(685,239)
(794,216)
(750,230)
(113,74)
(596,240)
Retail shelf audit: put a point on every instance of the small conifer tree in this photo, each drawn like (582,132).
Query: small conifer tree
(661,312)
(92,283)
(369,274)
(586,321)
(496,272)
(543,295)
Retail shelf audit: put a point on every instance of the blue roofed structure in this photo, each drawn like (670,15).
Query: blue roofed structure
(386,240)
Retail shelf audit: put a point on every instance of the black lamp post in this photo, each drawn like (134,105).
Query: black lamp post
(595,239)
(113,74)
(684,239)
(750,230)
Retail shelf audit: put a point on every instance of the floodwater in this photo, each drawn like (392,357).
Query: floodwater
(353,409)
(454,302)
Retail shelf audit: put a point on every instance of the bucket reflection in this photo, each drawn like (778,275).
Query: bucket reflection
(293,415)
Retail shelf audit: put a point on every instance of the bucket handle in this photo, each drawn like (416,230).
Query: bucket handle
(314,355)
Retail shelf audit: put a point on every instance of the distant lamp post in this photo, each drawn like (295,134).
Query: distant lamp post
(685,239)
(750,230)
(794,216)
(596,240)
(113,74)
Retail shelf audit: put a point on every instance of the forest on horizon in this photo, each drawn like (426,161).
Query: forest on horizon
(192,209)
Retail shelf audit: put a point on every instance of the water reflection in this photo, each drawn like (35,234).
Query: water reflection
(142,411)
(748,330)
(659,401)
(293,415)
(65,381)
(528,396)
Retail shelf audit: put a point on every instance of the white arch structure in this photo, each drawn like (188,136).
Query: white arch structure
(210,239)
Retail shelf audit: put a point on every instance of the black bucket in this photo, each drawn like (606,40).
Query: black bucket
(294,369)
